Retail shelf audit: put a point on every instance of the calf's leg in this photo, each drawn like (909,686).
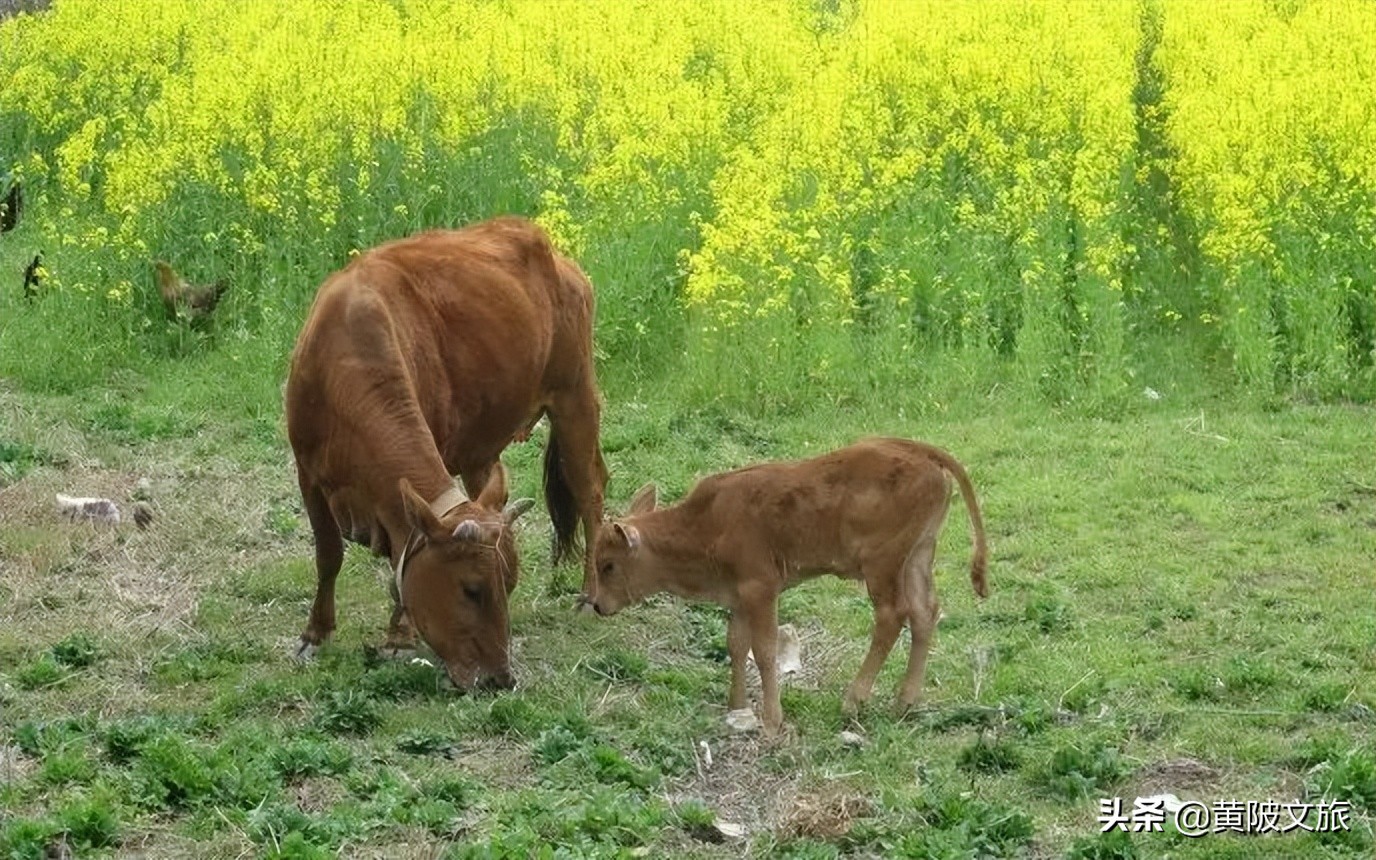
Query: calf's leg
(738,646)
(922,612)
(329,556)
(882,582)
(762,615)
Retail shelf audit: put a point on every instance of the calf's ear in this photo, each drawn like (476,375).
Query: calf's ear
(644,500)
(630,535)
(418,513)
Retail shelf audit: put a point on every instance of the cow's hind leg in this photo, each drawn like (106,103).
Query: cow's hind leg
(884,583)
(923,609)
(329,556)
(575,475)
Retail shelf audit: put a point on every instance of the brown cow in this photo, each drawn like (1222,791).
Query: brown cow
(871,512)
(421,359)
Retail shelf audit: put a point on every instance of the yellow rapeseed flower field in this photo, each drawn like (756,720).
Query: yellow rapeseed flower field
(837,183)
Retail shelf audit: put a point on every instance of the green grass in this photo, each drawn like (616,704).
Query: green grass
(1187,580)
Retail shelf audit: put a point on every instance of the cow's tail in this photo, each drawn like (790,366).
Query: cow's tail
(980,561)
(563,508)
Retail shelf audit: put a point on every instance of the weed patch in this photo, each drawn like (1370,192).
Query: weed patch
(1076,771)
(346,713)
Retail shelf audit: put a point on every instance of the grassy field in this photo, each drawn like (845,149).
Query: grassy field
(1116,257)
(1181,602)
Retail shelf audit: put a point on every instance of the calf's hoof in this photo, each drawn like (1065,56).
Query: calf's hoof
(303,650)
(741,720)
(851,704)
(775,731)
(904,707)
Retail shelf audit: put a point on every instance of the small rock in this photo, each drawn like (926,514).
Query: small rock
(789,658)
(78,508)
(852,739)
(1151,393)
(730,829)
(143,491)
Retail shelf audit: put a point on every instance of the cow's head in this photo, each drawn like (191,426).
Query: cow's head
(622,561)
(459,567)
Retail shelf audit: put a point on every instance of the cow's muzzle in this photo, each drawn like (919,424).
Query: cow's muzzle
(483,682)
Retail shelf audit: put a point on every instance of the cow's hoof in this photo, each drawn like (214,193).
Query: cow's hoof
(304,650)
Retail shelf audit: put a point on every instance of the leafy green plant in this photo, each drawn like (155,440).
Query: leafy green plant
(989,755)
(346,713)
(90,822)
(1076,771)
(555,744)
(310,755)
(1350,775)
(424,742)
(46,671)
(171,773)
(76,651)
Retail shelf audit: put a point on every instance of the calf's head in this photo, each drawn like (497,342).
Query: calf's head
(623,562)
(454,579)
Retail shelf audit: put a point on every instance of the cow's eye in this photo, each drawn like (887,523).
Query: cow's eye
(605,568)
(473,593)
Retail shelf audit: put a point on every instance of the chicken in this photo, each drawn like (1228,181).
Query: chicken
(33,273)
(10,208)
(183,300)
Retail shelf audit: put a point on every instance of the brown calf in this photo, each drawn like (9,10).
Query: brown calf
(422,359)
(871,512)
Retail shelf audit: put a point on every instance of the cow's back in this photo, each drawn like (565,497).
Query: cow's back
(424,357)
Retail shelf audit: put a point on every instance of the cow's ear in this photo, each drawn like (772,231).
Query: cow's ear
(418,513)
(644,500)
(493,495)
(630,535)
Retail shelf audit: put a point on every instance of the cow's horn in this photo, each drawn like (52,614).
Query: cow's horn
(516,508)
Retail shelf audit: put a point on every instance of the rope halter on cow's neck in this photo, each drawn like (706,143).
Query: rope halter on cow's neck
(441,507)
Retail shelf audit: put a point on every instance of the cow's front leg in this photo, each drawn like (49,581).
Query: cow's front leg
(401,635)
(329,556)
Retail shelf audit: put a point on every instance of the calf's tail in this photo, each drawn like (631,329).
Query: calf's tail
(980,561)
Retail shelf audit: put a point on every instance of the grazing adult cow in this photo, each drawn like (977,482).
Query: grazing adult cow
(871,512)
(422,359)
